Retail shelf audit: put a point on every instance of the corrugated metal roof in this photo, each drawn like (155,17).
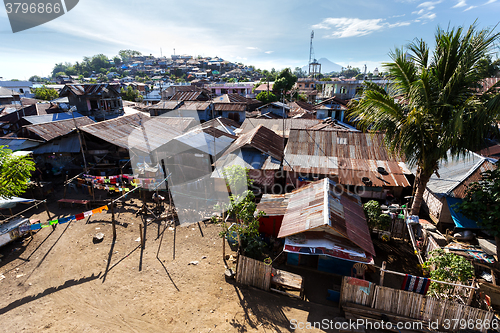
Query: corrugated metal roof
(54,129)
(69,144)
(166,105)
(262,139)
(46,118)
(190,96)
(90,89)
(223,124)
(319,207)
(195,105)
(230,107)
(276,125)
(132,131)
(18,143)
(350,156)
(273,204)
(454,172)
(232,98)
(206,139)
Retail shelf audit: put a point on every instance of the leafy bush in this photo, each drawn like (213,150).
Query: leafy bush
(448,267)
(374,216)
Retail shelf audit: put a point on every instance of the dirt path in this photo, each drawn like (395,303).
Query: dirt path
(61,281)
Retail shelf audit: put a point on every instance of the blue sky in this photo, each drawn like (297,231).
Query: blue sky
(266,34)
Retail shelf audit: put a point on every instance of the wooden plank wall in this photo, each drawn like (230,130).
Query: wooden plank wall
(254,273)
(354,294)
(412,305)
(398,229)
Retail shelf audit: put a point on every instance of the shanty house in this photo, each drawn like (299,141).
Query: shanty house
(325,228)
(260,151)
(449,188)
(101,101)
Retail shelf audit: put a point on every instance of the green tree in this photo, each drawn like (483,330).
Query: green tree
(35,78)
(242,207)
(127,55)
(266,97)
(284,82)
(448,267)
(15,172)
(131,94)
(117,60)
(482,203)
(440,111)
(47,94)
(298,72)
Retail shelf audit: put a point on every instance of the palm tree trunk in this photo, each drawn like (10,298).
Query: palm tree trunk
(421,181)
(497,242)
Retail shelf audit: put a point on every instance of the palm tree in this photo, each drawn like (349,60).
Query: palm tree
(432,107)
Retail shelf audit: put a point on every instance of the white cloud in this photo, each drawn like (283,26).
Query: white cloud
(490,1)
(252,48)
(461,3)
(429,5)
(269,52)
(344,27)
(469,8)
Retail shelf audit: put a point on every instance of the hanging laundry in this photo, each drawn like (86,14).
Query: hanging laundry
(64,220)
(87,214)
(416,284)
(36,226)
(79,216)
(24,228)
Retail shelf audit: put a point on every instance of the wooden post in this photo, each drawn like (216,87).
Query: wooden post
(224,243)
(65,185)
(113,219)
(382,273)
(493,278)
(175,232)
(472,292)
(142,236)
(48,214)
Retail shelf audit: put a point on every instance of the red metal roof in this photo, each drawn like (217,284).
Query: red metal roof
(319,207)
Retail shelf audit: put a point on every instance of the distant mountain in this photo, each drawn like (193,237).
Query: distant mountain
(326,66)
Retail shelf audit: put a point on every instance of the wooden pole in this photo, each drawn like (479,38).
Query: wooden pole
(142,236)
(382,273)
(65,184)
(175,232)
(493,278)
(48,214)
(472,292)
(113,219)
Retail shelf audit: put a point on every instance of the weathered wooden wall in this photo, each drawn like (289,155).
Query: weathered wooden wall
(413,306)
(254,273)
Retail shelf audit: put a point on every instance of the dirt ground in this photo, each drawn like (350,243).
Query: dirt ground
(61,281)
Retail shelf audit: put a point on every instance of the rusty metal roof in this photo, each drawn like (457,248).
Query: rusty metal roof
(139,131)
(90,89)
(190,96)
(230,107)
(262,139)
(273,204)
(224,124)
(276,125)
(232,98)
(348,156)
(165,105)
(54,129)
(319,207)
(195,105)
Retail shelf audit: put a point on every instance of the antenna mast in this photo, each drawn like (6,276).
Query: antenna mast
(314,65)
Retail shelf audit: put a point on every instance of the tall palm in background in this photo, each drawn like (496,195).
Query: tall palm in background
(432,106)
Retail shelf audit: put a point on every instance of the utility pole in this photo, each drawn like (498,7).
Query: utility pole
(72,109)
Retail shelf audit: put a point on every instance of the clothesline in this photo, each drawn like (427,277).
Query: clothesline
(77,217)
(437,281)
